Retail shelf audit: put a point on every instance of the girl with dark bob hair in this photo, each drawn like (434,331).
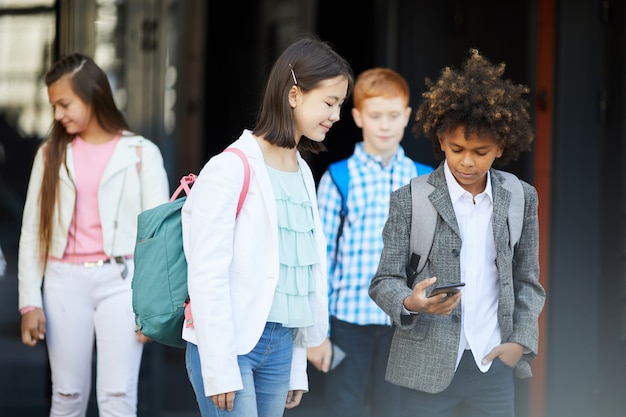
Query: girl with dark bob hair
(257,280)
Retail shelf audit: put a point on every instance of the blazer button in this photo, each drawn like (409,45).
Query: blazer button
(455,252)
(455,318)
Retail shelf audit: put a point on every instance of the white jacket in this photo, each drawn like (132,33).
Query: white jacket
(233,267)
(128,186)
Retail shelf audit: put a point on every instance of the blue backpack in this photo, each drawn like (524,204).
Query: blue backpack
(340,176)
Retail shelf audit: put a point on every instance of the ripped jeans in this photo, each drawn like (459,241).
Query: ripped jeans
(83,305)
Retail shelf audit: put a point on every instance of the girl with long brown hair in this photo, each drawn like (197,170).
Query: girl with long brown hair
(90,179)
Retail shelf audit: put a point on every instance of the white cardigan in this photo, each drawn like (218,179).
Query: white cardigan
(233,267)
(123,193)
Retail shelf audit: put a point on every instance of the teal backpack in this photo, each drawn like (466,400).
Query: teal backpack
(160,280)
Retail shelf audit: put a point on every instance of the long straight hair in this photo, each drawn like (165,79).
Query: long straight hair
(310,61)
(91,85)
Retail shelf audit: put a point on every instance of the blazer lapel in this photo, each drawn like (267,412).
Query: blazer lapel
(124,155)
(257,165)
(440,198)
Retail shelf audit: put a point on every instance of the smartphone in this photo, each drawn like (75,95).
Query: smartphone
(448,289)
(337,356)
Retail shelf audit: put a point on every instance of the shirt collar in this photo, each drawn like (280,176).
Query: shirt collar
(359,152)
(456,191)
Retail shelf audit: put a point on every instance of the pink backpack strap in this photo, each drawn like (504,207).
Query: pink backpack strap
(185,185)
(246,178)
(242,198)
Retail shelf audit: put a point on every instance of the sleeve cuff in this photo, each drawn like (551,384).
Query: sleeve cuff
(27,309)
(406,312)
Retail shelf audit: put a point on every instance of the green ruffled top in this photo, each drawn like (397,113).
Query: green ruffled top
(297,250)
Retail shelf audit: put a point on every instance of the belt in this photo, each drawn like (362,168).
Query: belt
(120,260)
(92,264)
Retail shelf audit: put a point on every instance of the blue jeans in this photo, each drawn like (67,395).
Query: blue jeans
(265,372)
(360,378)
(470,394)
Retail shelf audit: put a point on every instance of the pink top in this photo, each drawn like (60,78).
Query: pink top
(85,234)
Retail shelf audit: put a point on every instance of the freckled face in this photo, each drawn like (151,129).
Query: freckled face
(70,110)
(469,158)
(318,109)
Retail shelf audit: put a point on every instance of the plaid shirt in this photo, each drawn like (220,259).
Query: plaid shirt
(361,243)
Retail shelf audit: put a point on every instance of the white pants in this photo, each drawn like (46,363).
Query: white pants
(82,303)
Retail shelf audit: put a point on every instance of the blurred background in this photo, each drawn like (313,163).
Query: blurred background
(188,74)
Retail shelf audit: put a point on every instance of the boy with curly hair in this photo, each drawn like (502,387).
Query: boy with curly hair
(457,354)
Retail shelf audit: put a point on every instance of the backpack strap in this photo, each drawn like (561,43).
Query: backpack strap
(185,185)
(423,168)
(516,207)
(246,176)
(423,223)
(340,176)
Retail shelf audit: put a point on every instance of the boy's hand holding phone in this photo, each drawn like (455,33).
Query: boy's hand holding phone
(441,304)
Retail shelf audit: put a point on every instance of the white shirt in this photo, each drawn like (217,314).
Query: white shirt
(480,330)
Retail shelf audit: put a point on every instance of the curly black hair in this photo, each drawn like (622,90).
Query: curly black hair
(480,100)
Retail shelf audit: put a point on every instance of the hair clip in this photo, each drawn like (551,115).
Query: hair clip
(293,74)
(79,67)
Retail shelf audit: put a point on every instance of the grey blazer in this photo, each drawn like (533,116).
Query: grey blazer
(424,349)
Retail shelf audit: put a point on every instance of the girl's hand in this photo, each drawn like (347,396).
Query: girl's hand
(225,401)
(293,398)
(321,356)
(142,338)
(33,327)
